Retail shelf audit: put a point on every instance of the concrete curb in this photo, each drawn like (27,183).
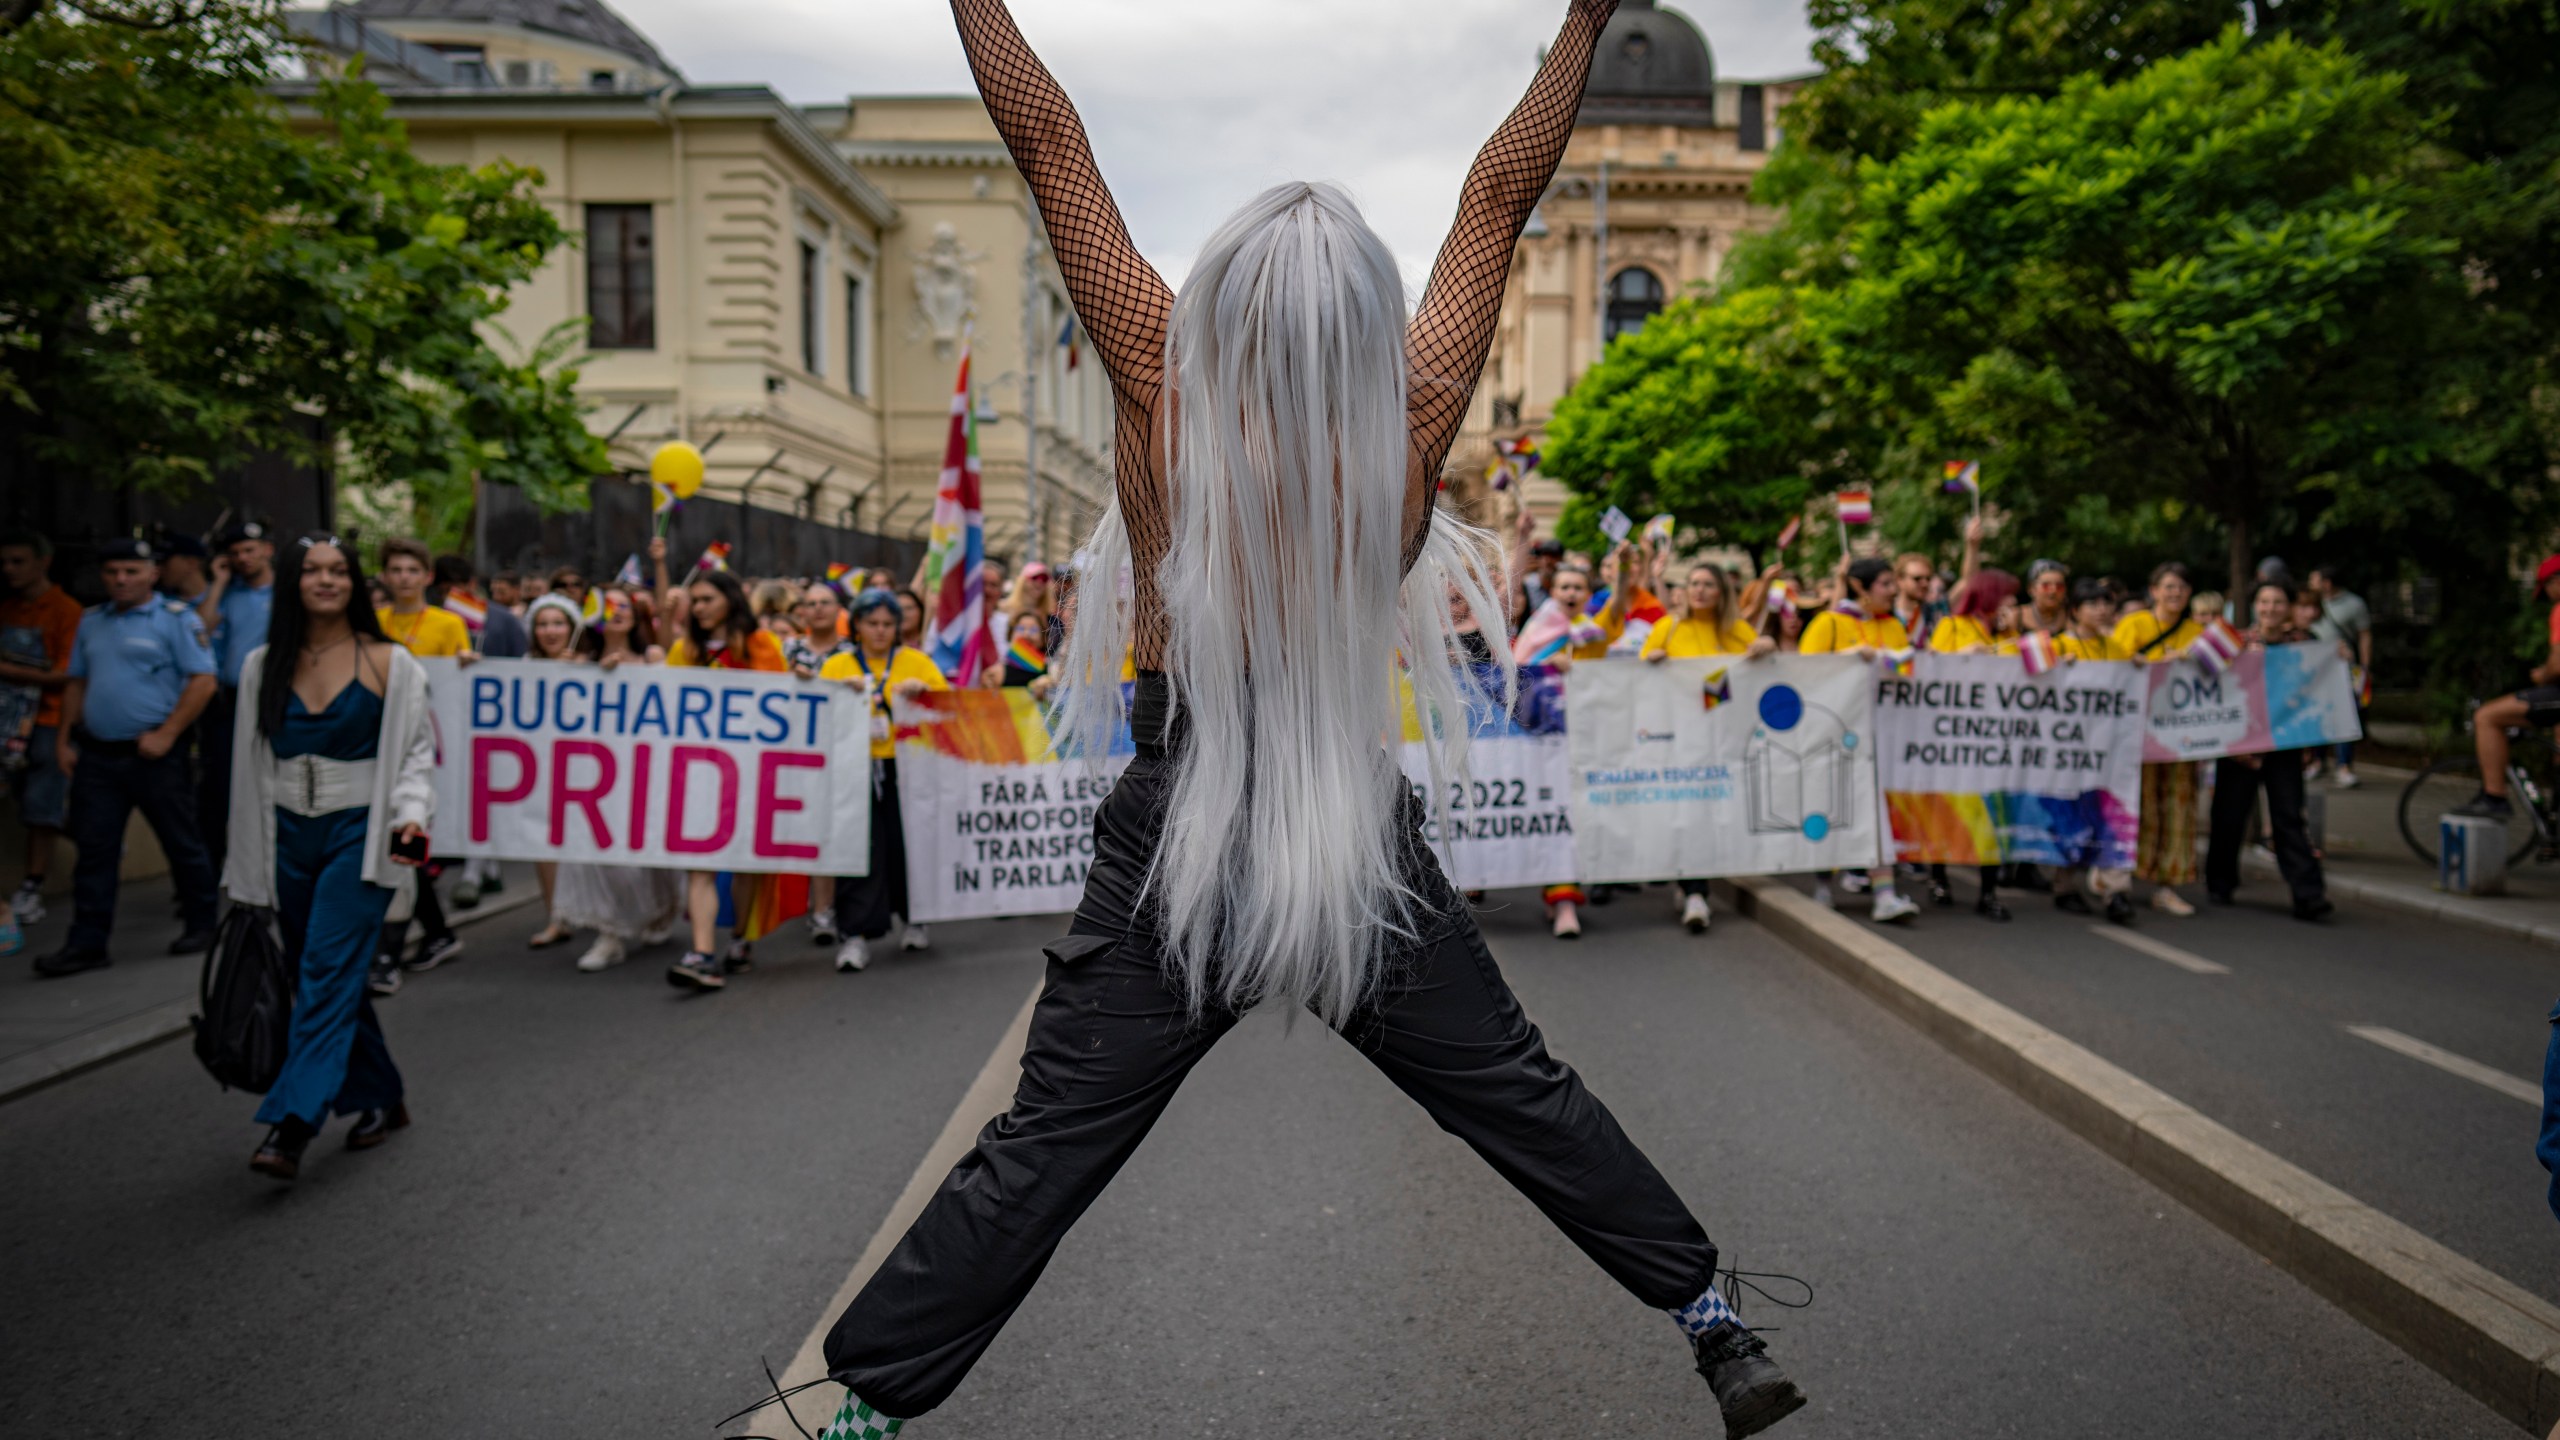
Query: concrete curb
(2484,1333)
(118,1038)
(2423,901)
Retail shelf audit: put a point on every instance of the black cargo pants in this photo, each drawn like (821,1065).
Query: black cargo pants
(1110,1042)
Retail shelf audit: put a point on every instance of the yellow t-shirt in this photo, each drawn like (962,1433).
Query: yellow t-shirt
(1610,630)
(904,664)
(2142,627)
(1956,632)
(2100,648)
(1831,632)
(432,631)
(1691,636)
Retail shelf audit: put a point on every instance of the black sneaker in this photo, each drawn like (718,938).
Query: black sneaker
(2072,902)
(2315,909)
(2120,909)
(384,982)
(741,957)
(1941,896)
(71,962)
(1990,908)
(696,971)
(194,942)
(435,952)
(2485,806)
(1751,1390)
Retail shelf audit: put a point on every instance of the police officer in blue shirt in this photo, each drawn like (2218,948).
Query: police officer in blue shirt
(140,674)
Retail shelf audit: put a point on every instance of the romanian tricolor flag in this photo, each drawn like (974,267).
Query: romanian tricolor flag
(1023,655)
(1857,507)
(1964,477)
(989,727)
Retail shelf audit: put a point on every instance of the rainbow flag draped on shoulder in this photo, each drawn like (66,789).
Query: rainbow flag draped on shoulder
(955,562)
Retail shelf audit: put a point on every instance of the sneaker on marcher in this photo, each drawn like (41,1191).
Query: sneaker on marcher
(606,953)
(741,957)
(1855,882)
(1892,906)
(822,930)
(466,894)
(2346,779)
(914,938)
(1695,915)
(384,982)
(436,952)
(27,903)
(853,954)
(696,971)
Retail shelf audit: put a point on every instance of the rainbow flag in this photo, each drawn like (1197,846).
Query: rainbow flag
(754,906)
(1718,689)
(955,576)
(1857,507)
(1964,477)
(2037,652)
(715,556)
(837,572)
(1023,655)
(2217,647)
(462,602)
(987,727)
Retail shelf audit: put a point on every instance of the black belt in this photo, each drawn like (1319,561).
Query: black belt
(98,746)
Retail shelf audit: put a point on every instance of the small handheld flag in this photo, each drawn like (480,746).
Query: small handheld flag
(2215,649)
(1023,655)
(715,556)
(1964,477)
(1069,338)
(1615,524)
(460,601)
(1657,531)
(1857,507)
(591,609)
(838,571)
(629,574)
(2037,652)
(1787,536)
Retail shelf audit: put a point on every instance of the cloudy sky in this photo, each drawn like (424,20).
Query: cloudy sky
(1195,105)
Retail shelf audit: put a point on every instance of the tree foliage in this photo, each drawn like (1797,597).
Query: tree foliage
(192,278)
(2187,287)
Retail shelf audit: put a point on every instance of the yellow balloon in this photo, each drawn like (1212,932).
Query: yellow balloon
(678,467)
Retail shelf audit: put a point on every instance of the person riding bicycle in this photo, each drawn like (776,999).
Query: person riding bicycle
(2537,705)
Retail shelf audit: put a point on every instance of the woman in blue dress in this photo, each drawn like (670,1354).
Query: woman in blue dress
(337,769)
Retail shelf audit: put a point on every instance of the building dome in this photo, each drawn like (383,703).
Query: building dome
(591,21)
(1652,67)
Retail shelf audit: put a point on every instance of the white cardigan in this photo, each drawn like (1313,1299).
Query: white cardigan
(403,786)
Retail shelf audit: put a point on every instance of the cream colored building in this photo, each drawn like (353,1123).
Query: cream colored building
(1652,193)
(786,288)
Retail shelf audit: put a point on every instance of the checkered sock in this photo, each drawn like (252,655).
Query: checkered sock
(1703,1314)
(857,1421)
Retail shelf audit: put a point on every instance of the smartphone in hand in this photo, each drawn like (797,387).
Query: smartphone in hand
(412,849)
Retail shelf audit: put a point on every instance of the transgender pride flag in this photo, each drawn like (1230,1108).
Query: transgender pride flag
(955,562)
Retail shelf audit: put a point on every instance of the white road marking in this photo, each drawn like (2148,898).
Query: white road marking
(989,1096)
(2450,1063)
(2160,950)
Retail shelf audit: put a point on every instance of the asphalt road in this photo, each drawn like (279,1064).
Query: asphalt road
(617,1198)
(2266,1048)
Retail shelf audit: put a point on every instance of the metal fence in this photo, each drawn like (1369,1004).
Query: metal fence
(617,525)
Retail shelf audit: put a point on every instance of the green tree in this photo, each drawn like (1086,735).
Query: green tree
(193,279)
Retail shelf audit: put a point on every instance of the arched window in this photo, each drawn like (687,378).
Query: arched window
(1635,296)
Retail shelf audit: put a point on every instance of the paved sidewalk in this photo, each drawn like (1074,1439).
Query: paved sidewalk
(53,1028)
(2366,859)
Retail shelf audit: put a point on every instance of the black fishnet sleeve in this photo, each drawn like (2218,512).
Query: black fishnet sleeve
(1118,296)
(1452,331)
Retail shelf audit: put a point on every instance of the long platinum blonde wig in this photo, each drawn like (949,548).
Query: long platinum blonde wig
(1293,635)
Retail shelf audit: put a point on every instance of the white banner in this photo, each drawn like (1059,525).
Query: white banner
(651,765)
(1984,763)
(994,824)
(1698,768)
(1510,820)
(2288,697)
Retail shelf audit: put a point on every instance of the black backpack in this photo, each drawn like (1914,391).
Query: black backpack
(246,994)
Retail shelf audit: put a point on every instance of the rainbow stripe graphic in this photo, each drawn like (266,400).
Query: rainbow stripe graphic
(984,727)
(1023,655)
(2091,828)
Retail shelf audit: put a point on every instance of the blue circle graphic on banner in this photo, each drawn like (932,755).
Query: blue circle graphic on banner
(1781,707)
(1816,826)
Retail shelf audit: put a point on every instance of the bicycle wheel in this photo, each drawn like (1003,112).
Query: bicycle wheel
(2449,783)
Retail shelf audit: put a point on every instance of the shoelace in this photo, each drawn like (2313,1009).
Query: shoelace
(1736,1281)
(777,1395)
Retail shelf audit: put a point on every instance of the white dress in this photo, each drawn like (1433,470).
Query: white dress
(633,905)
